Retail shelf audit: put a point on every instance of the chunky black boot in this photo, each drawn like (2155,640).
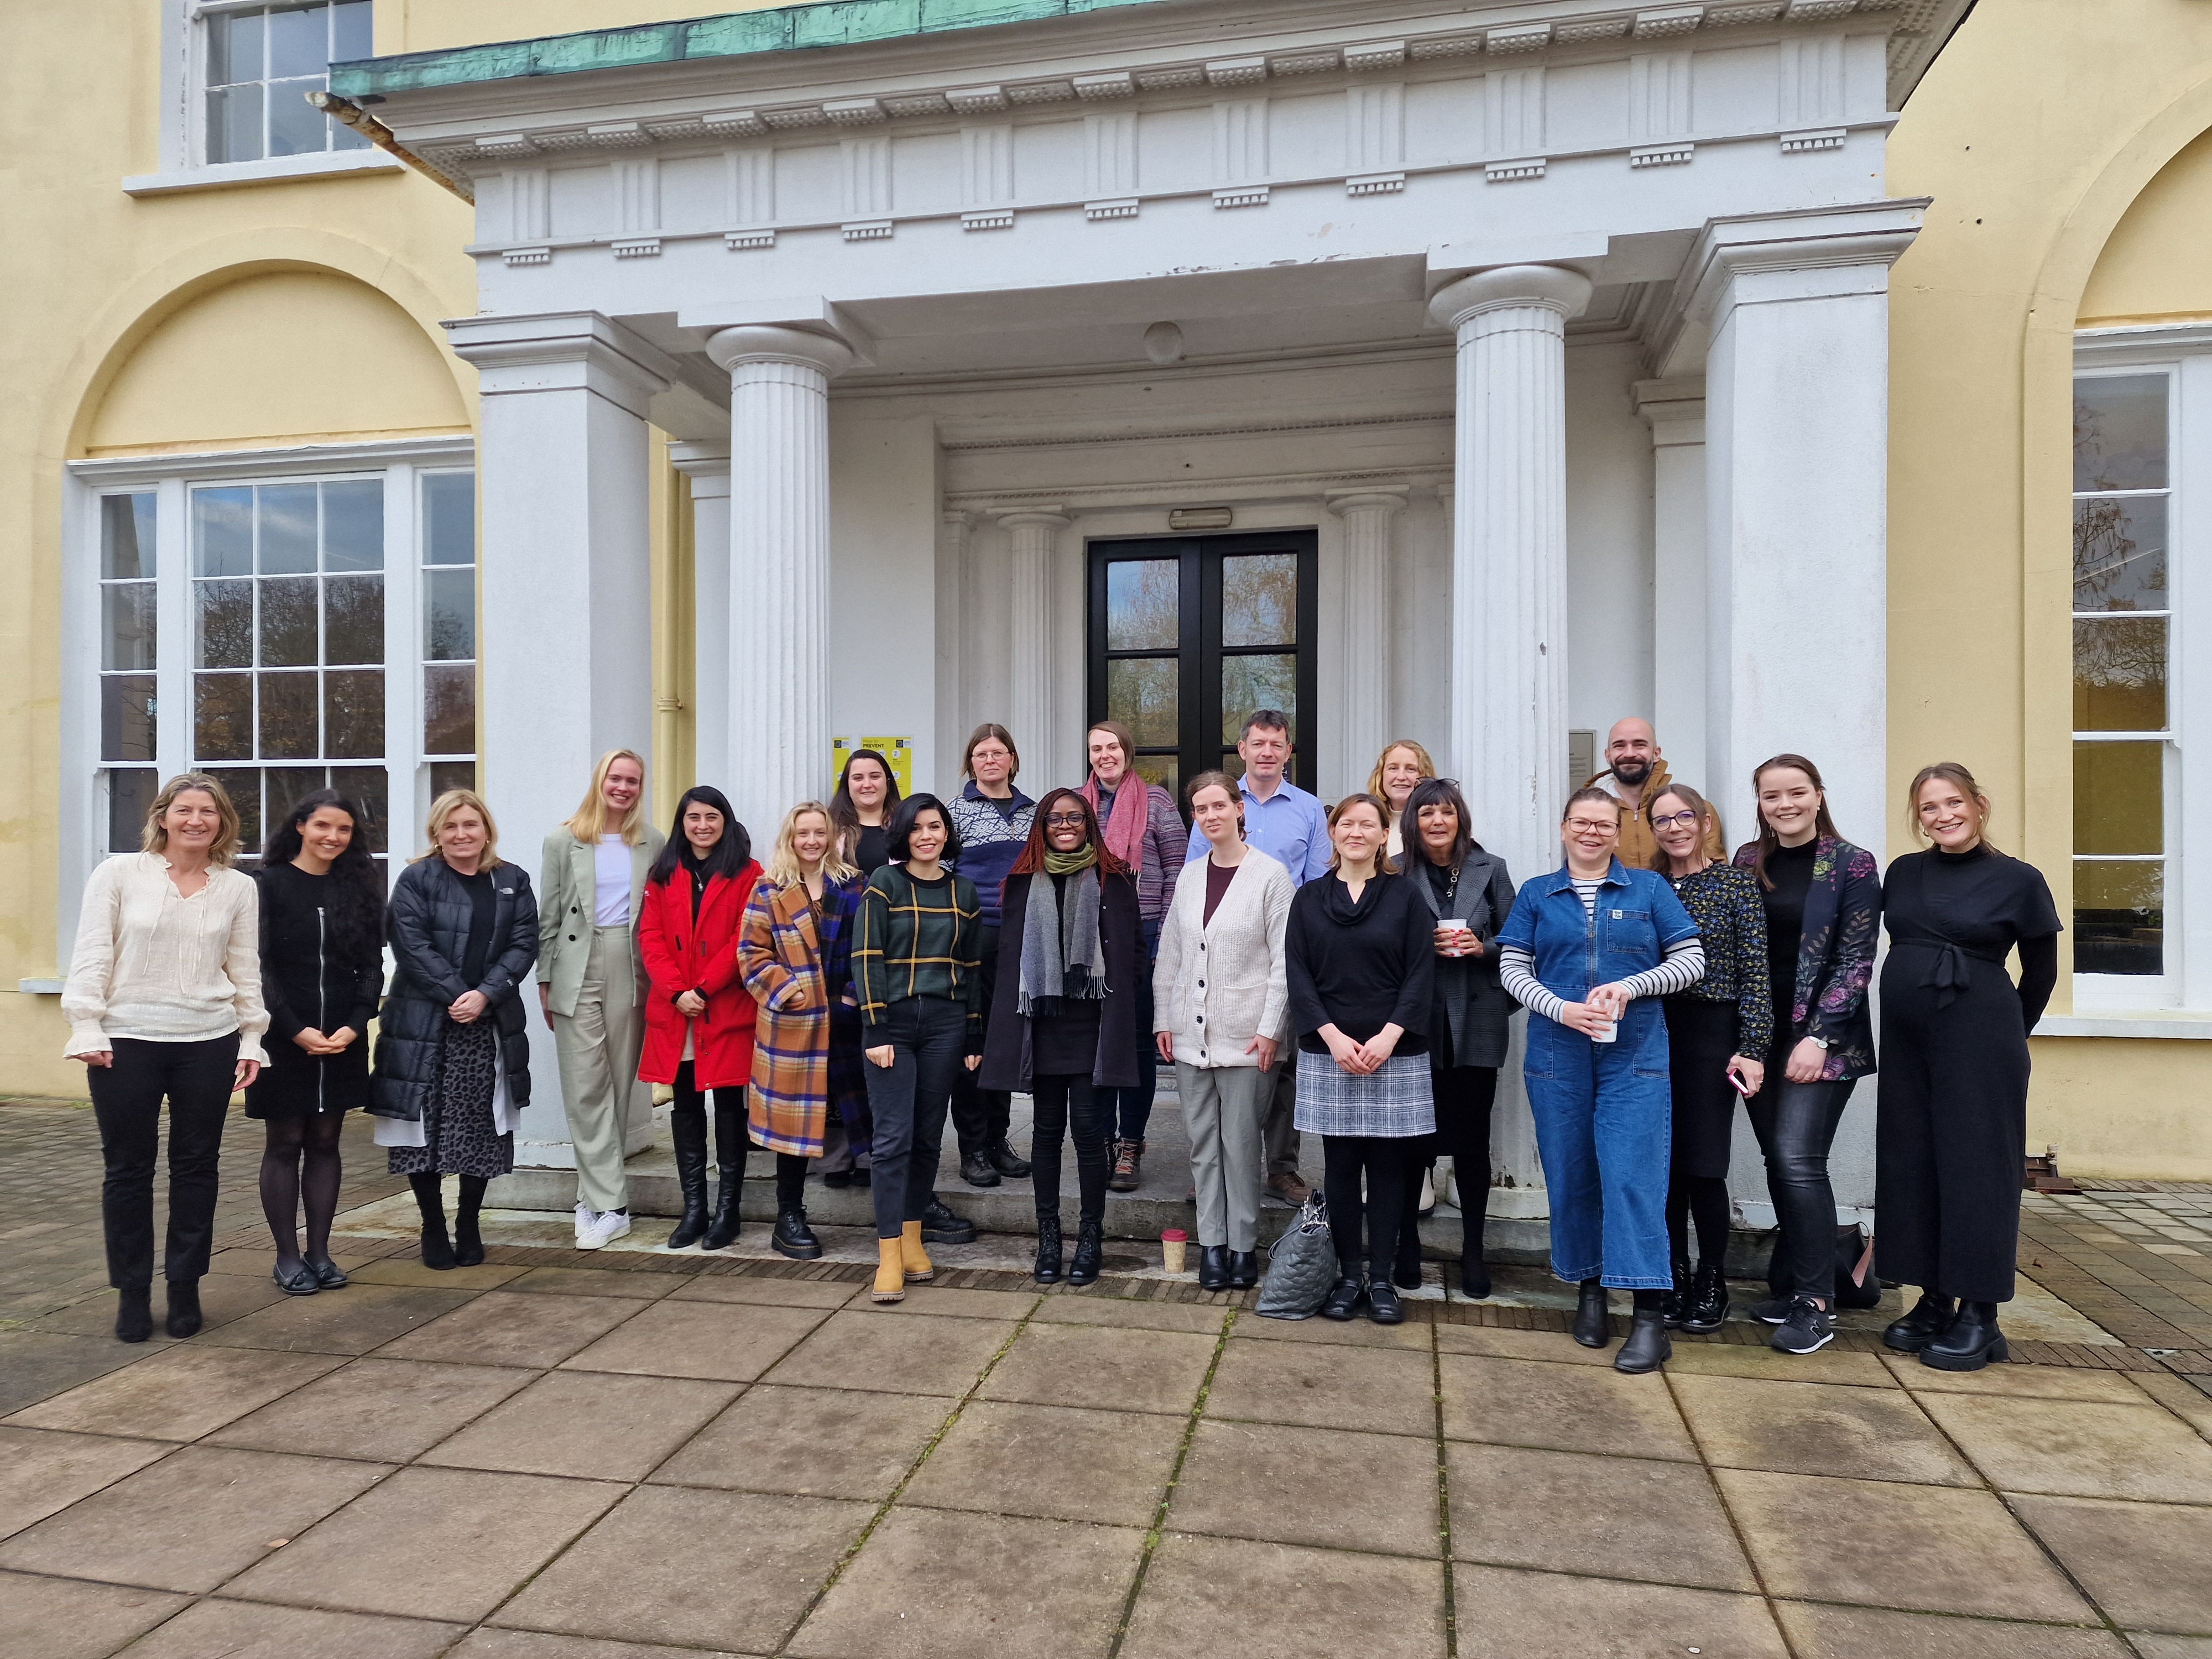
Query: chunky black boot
(1213,1266)
(1048,1249)
(1709,1300)
(1927,1320)
(1674,1301)
(941,1226)
(1593,1329)
(134,1312)
(1089,1251)
(1383,1306)
(688,1131)
(1969,1342)
(430,1199)
(1648,1346)
(976,1170)
(1244,1269)
(1342,1301)
(184,1309)
(792,1236)
(1006,1161)
(731,1144)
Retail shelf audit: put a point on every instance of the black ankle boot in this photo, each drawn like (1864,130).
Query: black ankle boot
(1674,1301)
(185,1308)
(1927,1320)
(1008,1163)
(1048,1249)
(688,1131)
(1213,1266)
(468,1238)
(1593,1329)
(1648,1346)
(942,1225)
(437,1249)
(1244,1269)
(1969,1342)
(1089,1251)
(1383,1306)
(792,1236)
(976,1170)
(1342,1301)
(134,1312)
(1473,1276)
(1709,1300)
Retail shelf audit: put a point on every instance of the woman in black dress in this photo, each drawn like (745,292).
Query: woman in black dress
(1951,1115)
(322,971)
(452,1055)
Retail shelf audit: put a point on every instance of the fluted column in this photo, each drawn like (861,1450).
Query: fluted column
(708,466)
(1033,714)
(1509,553)
(1370,562)
(778,629)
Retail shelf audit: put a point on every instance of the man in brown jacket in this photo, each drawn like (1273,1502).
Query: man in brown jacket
(1635,774)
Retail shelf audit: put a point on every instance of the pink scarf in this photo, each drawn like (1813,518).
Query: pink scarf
(1124,831)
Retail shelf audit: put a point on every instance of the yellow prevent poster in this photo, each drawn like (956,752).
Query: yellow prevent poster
(899,751)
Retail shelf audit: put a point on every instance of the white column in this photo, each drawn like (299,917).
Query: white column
(778,572)
(567,626)
(708,466)
(1796,469)
(1370,564)
(1509,553)
(953,524)
(1033,709)
(1675,412)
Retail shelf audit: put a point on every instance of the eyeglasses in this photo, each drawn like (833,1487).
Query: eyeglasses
(1061,820)
(1688,819)
(1593,826)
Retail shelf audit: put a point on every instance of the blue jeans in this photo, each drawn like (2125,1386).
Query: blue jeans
(1604,1130)
(1131,1109)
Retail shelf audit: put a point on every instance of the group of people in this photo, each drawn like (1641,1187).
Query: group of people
(1349,971)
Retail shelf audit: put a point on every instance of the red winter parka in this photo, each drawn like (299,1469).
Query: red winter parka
(681,955)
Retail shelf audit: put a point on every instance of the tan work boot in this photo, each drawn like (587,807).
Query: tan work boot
(891,1272)
(915,1258)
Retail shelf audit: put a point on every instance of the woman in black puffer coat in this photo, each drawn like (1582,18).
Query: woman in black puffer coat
(452,1055)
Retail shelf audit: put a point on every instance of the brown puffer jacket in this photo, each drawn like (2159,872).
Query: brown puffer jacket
(1637,848)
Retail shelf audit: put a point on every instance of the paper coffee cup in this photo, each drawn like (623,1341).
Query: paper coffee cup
(1611,1033)
(1173,1242)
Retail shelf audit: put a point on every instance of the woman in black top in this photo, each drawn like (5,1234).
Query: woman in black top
(452,1050)
(860,811)
(322,971)
(1951,1114)
(1467,893)
(1064,1025)
(1360,955)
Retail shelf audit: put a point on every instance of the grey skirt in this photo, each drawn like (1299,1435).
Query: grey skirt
(1391,1103)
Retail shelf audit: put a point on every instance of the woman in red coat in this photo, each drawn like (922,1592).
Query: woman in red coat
(699,1019)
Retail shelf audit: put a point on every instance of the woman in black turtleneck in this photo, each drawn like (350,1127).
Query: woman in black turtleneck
(1953,1113)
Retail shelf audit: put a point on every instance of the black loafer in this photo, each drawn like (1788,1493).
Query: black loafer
(1593,1327)
(328,1275)
(301,1282)
(1244,1269)
(1213,1266)
(1342,1301)
(1383,1306)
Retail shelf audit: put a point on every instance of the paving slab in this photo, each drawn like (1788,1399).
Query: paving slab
(594,1425)
(2080,1448)
(179,1393)
(2149,1566)
(1560,1408)
(1233,1596)
(352,1320)
(1831,1632)
(919,1354)
(1546,1615)
(1806,1428)
(1118,1369)
(42,1472)
(716,1342)
(1055,1461)
(810,1442)
(37,1364)
(383,1410)
(1328,1487)
(218,1629)
(43,1617)
(1323,1386)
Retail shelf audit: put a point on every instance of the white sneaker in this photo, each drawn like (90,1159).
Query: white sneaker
(586,1218)
(605,1227)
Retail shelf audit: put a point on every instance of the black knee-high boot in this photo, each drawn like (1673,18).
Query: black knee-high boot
(468,1238)
(430,1197)
(730,1142)
(688,1129)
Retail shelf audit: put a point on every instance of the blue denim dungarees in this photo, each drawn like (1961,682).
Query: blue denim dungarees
(1603,1111)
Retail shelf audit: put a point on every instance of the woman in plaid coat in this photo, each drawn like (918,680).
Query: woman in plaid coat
(794,954)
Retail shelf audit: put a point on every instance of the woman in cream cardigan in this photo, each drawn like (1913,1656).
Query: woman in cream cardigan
(1220,1003)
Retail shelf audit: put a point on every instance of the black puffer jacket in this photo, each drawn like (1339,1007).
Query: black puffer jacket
(428,926)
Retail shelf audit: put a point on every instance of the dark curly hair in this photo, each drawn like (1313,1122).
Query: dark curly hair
(357,882)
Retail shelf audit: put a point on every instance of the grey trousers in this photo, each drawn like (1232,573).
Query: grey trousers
(1279,1114)
(1221,1108)
(598,1047)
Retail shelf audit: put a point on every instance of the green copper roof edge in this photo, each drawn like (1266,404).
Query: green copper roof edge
(785,28)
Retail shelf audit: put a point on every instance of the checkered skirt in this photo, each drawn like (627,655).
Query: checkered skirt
(1391,1103)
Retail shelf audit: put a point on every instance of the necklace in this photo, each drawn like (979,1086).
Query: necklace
(1451,888)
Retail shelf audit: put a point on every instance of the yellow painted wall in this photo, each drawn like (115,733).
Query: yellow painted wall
(2061,144)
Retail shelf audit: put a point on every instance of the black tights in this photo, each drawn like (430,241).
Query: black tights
(1703,1200)
(430,1197)
(1060,1106)
(300,1160)
(790,1178)
(1383,1160)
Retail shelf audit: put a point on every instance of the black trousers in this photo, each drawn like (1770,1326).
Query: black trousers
(1384,1160)
(1065,1104)
(733,1140)
(908,1101)
(981,1116)
(1464,1098)
(196,1078)
(1795,1123)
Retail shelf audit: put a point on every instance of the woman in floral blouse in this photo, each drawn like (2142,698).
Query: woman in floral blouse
(1718,1033)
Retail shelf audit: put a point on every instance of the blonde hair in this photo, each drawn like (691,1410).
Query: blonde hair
(1374,778)
(589,821)
(154,836)
(450,803)
(783,867)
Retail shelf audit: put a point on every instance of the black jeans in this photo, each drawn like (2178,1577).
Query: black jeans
(1384,1161)
(907,1100)
(981,1116)
(733,1138)
(1065,1103)
(1795,1123)
(126,1098)
(1133,1108)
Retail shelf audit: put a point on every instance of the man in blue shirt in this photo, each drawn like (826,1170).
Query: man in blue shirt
(1290,825)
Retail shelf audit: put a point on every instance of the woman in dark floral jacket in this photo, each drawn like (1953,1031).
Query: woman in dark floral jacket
(1823,899)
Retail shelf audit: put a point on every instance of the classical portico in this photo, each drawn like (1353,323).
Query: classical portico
(1560,334)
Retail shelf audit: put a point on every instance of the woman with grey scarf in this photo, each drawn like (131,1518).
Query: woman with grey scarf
(1064,1023)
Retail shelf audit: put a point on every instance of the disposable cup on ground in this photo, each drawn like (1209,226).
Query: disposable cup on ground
(1172,1243)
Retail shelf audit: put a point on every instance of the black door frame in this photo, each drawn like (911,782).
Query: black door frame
(1199,648)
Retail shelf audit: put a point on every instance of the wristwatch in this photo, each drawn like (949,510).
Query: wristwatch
(1819,1042)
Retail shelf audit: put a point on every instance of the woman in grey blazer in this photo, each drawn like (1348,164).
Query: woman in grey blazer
(591,980)
(1471,894)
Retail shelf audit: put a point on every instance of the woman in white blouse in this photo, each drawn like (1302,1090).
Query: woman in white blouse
(1219,1005)
(164,999)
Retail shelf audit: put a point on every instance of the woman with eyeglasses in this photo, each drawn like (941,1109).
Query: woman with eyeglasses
(1717,1034)
(1402,765)
(1589,950)
(992,819)
(1064,1027)
(1468,893)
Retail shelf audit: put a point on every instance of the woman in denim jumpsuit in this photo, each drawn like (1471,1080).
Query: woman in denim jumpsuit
(1589,950)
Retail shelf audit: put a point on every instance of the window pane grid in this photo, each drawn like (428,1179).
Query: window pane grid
(259,65)
(449,623)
